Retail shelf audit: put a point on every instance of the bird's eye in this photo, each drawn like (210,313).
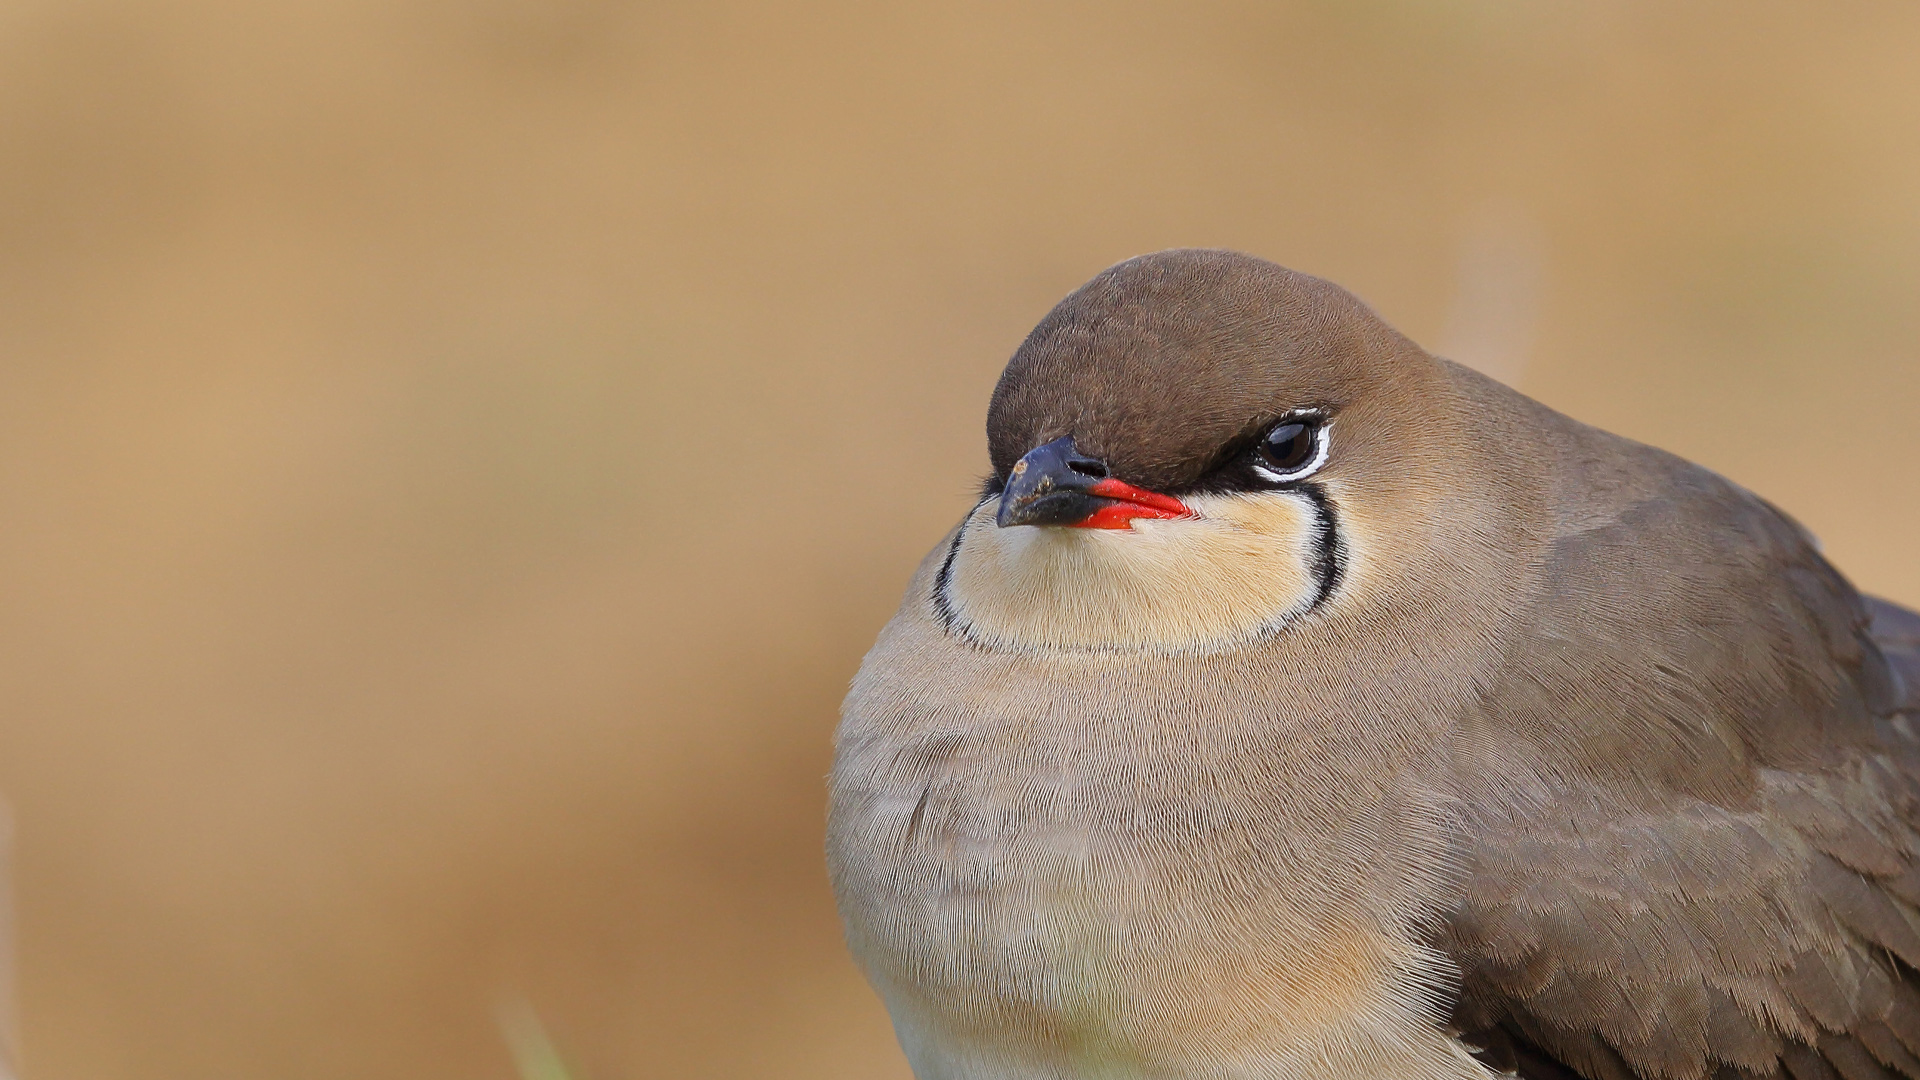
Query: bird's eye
(1291,450)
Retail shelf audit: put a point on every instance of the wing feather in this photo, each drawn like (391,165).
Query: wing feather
(1714,873)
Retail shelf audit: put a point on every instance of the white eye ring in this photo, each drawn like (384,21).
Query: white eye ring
(1317,428)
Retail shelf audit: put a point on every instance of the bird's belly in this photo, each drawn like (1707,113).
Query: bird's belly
(1017,934)
(977,906)
(1001,948)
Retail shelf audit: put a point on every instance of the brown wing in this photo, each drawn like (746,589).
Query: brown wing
(1691,835)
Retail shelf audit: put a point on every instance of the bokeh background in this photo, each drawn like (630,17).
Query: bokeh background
(453,453)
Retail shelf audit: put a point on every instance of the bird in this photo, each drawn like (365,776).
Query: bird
(1294,703)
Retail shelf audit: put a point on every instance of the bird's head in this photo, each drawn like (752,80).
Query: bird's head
(1197,448)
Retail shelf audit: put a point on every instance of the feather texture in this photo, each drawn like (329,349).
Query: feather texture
(1694,848)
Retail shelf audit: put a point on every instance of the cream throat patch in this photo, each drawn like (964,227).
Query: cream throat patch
(1246,565)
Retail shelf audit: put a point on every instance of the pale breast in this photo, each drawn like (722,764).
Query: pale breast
(1032,902)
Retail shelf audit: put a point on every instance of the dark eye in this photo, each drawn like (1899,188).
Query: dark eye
(1291,450)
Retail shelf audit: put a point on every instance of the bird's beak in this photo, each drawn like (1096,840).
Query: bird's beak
(1055,484)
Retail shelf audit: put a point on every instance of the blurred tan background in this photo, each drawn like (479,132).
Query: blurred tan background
(453,454)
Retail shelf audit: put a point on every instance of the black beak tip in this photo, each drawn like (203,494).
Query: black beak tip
(1056,508)
(1050,486)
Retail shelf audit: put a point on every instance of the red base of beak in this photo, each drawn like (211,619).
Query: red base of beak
(1129,503)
